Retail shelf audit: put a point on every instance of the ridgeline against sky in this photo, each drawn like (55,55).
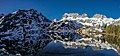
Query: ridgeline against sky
(56,8)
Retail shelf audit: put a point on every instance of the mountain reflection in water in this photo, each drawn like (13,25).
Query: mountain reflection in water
(73,44)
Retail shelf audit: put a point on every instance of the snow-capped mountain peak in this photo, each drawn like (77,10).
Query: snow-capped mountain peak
(26,31)
(99,16)
(96,20)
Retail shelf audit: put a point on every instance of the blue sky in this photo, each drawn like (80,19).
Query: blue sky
(56,8)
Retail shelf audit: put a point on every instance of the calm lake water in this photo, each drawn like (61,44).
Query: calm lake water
(57,49)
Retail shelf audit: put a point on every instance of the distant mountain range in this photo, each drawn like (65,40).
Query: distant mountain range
(96,20)
(22,31)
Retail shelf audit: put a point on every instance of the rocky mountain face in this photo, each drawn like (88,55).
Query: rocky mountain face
(65,29)
(65,25)
(73,21)
(95,23)
(21,30)
(117,22)
(25,32)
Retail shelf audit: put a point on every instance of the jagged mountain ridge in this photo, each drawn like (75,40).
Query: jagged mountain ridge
(22,17)
(23,28)
(96,20)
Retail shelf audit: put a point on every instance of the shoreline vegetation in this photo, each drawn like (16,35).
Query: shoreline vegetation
(111,34)
(114,35)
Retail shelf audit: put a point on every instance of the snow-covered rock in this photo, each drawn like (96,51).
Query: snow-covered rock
(27,32)
(96,20)
(65,25)
(23,29)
